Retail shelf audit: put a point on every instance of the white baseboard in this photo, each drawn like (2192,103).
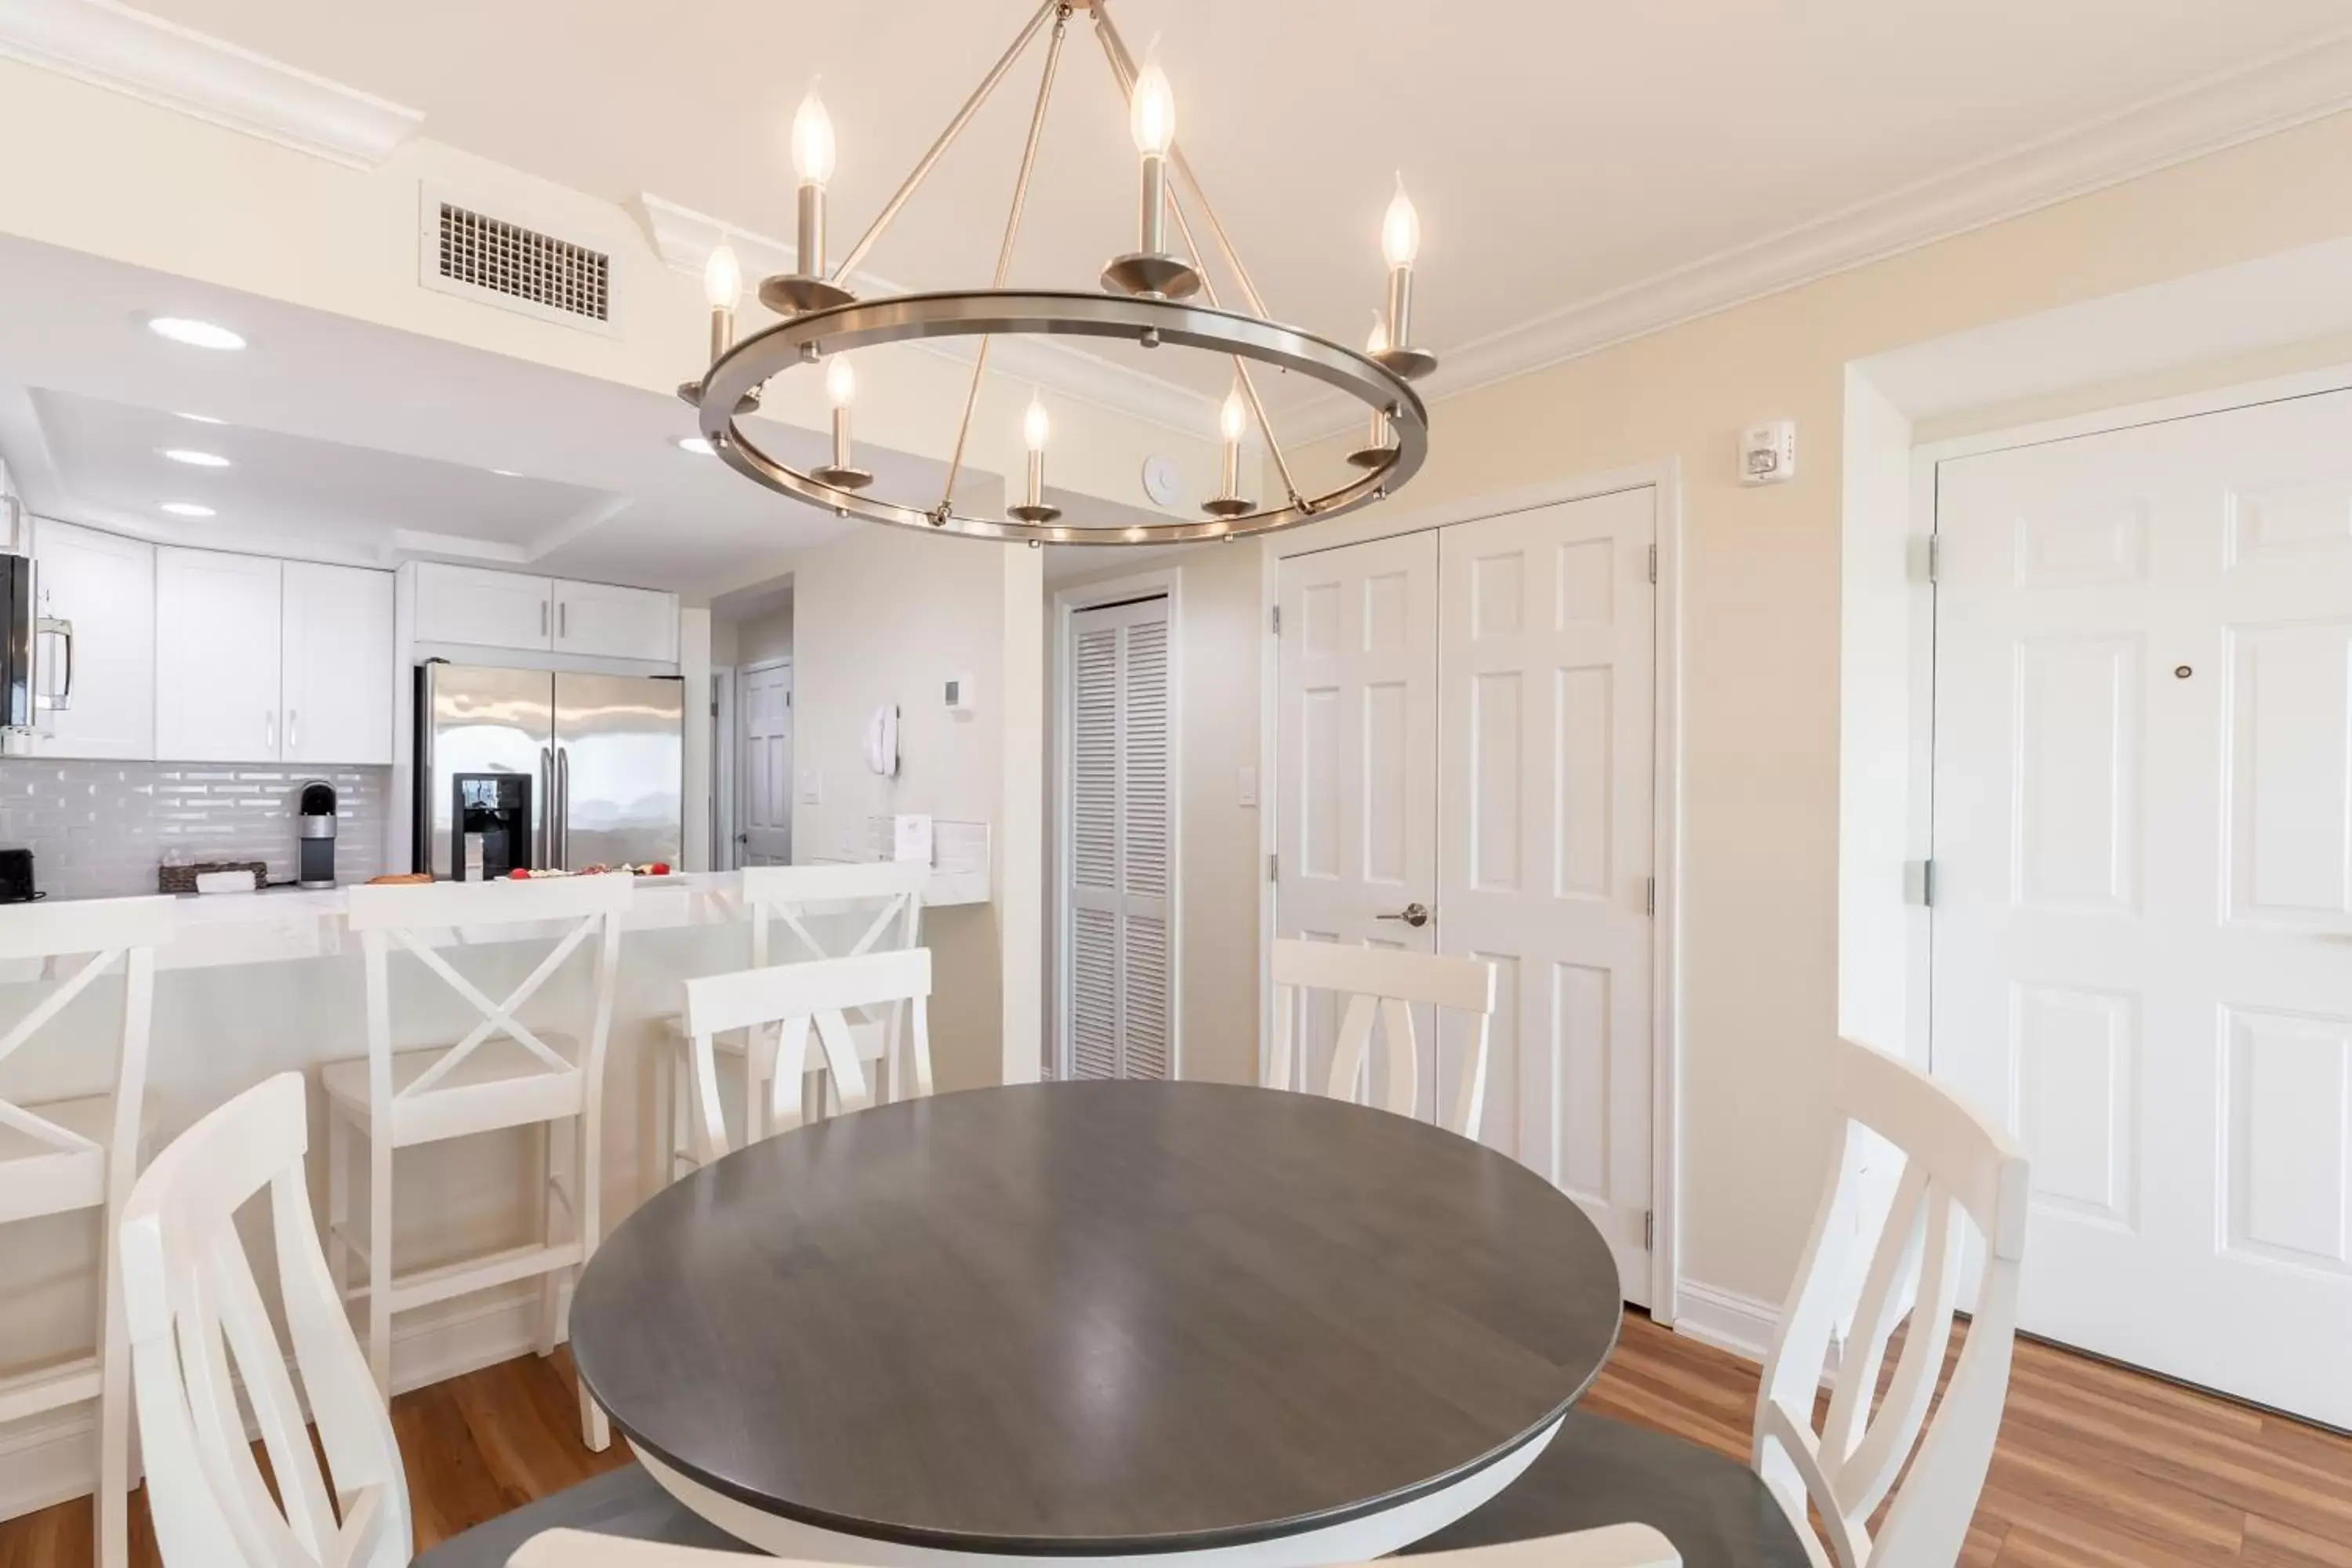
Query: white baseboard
(1724,1319)
(54,1459)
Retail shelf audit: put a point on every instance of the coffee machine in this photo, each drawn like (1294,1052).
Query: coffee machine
(315,841)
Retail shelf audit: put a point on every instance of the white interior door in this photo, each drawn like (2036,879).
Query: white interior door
(1119,1007)
(1547,655)
(1356,823)
(765,834)
(2143,889)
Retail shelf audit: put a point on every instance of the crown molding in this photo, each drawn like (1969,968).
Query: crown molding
(112,45)
(2221,112)
(684,239)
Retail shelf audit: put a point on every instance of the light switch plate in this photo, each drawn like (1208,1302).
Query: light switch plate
(1248,789)
(812,786)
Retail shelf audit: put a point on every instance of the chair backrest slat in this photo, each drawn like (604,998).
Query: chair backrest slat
(198,1323)
(796,999)
(1383,984)
(1959,1171)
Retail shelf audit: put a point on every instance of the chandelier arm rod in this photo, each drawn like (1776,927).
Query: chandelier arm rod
(1012,237)
(1122,70)
(1122,65)
(915,176)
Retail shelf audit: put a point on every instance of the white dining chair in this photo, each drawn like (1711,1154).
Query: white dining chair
(1961,1174)
(792,911)
(1382,984)
(790,1002)
(1953,1173)
(503,1073)
(1618,1546)
(202,1331)
(61,1156)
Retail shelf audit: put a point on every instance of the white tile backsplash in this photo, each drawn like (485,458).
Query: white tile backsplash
(101,829)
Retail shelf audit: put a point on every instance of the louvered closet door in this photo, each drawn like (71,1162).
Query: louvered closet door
(1118,963)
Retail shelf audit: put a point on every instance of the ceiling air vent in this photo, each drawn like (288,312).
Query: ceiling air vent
(468,252)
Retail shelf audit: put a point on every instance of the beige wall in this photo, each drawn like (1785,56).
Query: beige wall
(886,616)
(769,637)
(1763,606)
(1218,868)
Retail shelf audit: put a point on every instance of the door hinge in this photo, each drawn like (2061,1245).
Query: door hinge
(1653,564)
(1649,1230)
(1278,620)
(1274,868)
(1919,883)
(1650,898)
(1935,558)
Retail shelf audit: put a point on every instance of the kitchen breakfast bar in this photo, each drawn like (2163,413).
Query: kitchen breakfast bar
(258,984)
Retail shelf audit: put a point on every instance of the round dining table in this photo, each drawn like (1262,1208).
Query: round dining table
(1093,1320)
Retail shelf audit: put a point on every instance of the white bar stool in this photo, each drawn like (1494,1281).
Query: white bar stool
(60,1156)
(398,1099)
(889,895)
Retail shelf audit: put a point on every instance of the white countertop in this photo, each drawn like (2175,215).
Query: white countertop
(277,924)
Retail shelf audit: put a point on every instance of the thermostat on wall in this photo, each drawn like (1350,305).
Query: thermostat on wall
(959,694)
(1768,453)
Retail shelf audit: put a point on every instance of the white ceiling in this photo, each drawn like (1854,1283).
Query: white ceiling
(353,441)
(1559,149)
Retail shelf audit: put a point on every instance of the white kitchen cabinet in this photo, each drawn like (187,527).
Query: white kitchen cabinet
(484,609)
(335,643)
(615,622)
(216,656)
(104,685)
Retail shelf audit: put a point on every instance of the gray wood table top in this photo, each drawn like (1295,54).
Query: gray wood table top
(1096,1317)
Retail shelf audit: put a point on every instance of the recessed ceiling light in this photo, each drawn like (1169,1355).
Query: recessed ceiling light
(203,419)
(193,458)
(187,508)
(194,333)
(697,445)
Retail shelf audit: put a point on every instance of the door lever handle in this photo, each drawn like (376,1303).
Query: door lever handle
(1414,915)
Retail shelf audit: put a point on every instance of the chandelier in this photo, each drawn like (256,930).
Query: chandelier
(1153,296)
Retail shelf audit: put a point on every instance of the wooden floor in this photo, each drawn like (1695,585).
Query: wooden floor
(2097,1468)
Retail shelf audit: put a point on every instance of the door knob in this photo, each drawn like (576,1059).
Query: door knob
(1414,915)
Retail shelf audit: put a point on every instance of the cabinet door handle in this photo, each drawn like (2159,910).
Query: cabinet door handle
(270,728)
(562,621)
(542,617)
(293,730)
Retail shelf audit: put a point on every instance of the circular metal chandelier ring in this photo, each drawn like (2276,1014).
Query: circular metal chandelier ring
(906,318)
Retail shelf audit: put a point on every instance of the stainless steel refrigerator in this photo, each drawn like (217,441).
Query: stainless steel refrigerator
(591,766)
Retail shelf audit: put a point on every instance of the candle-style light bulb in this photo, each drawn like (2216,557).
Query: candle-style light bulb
(1152,108)
(1400,229)
(840,382)
(813,146)
(1232,418)
(723,279)
(1034,426)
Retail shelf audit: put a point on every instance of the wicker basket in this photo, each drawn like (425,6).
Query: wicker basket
(183,878)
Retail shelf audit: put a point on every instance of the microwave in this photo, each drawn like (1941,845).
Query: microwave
(35,650)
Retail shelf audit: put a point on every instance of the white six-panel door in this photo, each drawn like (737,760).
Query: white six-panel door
(1465,723)
(1356,822)
(1547,665)
(2144,881)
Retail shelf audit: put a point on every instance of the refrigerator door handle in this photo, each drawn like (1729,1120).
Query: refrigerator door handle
(546,805)
(563,807)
